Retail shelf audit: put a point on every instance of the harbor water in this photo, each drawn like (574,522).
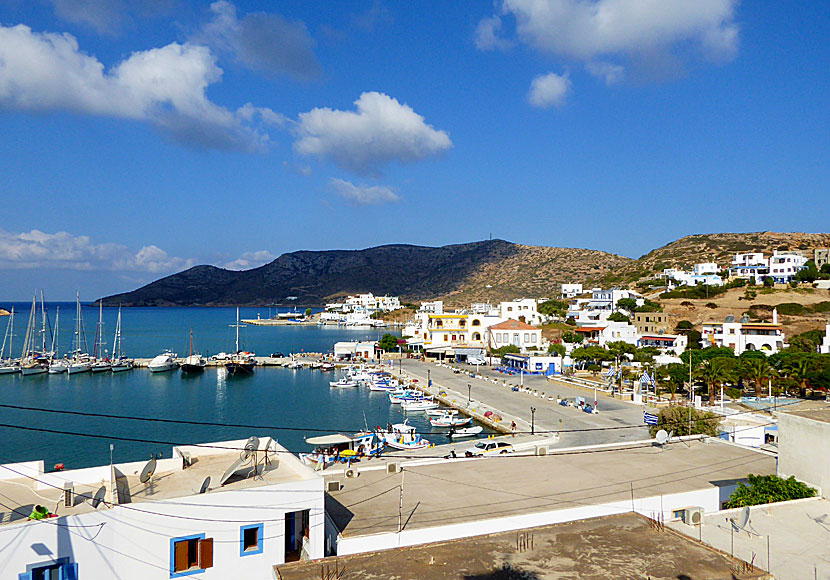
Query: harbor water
(287,404)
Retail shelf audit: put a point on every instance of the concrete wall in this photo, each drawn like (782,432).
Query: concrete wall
(133,541)
(710,499)
(802,450)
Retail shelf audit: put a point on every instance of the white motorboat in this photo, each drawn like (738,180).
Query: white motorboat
(338,447)
(33,369)
(403,436)
(465,432)
(57,367)
(384,386)
(122,364)
(101,366)
(448,420)
(423,405)
(343,382)
(164,362)
(441,412)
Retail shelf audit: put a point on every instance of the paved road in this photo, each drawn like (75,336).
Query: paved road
(614,413)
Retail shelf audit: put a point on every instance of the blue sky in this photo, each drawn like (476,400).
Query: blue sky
(137,142)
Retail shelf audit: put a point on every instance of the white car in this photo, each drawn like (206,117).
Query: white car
(483,448)
(476,360)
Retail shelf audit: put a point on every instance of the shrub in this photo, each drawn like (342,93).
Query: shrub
(686,303)
(822,307)
(711,305)
(792,309)
(618,317)
(733,393)
(677,419)
(768,489)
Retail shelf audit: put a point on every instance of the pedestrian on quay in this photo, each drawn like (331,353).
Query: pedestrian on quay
(513,427)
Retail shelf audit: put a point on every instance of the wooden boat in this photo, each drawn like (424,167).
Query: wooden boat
(465,432)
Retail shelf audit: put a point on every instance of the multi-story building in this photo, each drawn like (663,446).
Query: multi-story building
(372,303)
(607,299)
(523,309)
(435,307)
(516,333)
(703,273)
(752,265)
(651,322)
(825,343)
(665,342)
(609,332)
(767,337)
(821,256)
(571,290)
(784,265)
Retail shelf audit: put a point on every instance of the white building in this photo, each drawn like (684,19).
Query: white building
(703,273)
(767,337)
(352,350)
(609,332)
(783,266)
(534,364)
(201,513)
(516,333)
(435,307)
(571,290)
(607,299)
(752,265)
(371,303)
(667,343)
(825,343)
(449,333)
(523,309)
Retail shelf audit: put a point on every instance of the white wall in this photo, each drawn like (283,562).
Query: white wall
(132,542)
(802,450)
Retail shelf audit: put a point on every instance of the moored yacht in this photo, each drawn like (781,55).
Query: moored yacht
(164,362)
(194,363)
(240,363)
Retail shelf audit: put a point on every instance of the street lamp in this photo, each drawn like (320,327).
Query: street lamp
(429,381)
(469,391)
(532,420)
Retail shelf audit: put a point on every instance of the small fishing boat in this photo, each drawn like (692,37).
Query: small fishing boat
(423,405)
(403,436)
(164,362)
(240,363)
(465,432)
(330,449)
(449,420)
(343,382)
(327,366)
(194,363)
(441,412)
(383,385)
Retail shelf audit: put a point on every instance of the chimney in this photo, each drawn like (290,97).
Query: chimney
(775,316)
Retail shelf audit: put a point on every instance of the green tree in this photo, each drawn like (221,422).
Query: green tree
(572,337)
(757,371)
(388,342)
(308,312)
(683,327)
(807,341)
(693,337)
(556,348)
(646,354)
(715,372)
(649,306)
(507,349)
(618,317)
(629,304)
(763,489)
(553,308)
(799,368)
(809,273)
(680,419)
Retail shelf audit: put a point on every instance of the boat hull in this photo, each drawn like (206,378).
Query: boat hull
(36,370)
(78,368)
(240,368)
(192,369)
(166,367)
(9,370)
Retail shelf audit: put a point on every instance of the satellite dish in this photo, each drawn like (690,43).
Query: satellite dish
(671,434)
(740,522)
(148,471)
(251,446)
(231,470)
(662,437)
(205,485)
(730,318)
(98,498)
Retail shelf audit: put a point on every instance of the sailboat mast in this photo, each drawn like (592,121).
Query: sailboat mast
(27,340)
(116,346)
(43,324)
(237,329)
(54,348)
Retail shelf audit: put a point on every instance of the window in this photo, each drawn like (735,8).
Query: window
(527,338)
(60,569)
(250,539)
(190,555)
(476,336)
(462,323)
(476,322)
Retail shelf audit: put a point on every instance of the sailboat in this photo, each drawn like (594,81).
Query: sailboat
(79,362)
(31,361)
(119,361)
(240,363)
(59,366)
(195,363)
(7,364)
(102,362)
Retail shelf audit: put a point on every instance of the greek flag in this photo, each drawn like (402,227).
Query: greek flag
(619,372)
(646,379)
(649,419)
(610,373)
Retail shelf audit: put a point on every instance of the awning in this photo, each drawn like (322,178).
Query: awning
(336,439)
(470,351)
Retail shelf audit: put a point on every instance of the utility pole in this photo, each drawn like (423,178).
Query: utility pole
(469,392)
(532,420)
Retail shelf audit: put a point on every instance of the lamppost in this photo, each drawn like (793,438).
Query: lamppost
(400,360)
(469,392)
(532,420)
(429,381)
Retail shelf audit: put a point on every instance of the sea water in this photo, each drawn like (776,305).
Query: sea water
(289,405)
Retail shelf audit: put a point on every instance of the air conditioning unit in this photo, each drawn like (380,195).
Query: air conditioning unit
(333,486)
(693,516)
(68,491)
(351,473)
(393,468)
(541,450)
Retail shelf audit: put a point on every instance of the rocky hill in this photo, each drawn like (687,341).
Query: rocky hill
(461,271)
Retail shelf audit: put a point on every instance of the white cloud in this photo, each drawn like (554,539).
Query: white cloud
(43,72)
(267,43)
(487,35)
(610,73)
(108,16)
(363,194)
(250,260)
(63,251)
(587,29)
(549,90)
(380,131)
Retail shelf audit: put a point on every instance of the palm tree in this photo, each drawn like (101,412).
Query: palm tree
(797,368)
(756,370)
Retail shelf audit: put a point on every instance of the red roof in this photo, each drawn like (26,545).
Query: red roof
(590,328)
(513,325)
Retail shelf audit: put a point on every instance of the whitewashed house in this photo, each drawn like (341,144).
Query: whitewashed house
(608,332)
(751,265)
(784,265)
(767,337)
(571,291)
(203,512)
(825,343)
(523,309)
(516,333)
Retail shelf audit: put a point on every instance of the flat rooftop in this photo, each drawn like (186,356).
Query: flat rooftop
(21,487)
(822,414)
(798,533)
(621,546)
(461,490)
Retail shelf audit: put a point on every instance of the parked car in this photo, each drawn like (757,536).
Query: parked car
(277,355)
(476,360)
(483,448)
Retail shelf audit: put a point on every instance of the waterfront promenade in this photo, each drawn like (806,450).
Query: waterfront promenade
(616,421)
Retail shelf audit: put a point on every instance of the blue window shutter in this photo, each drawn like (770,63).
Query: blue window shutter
(24,576)
(69,571)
